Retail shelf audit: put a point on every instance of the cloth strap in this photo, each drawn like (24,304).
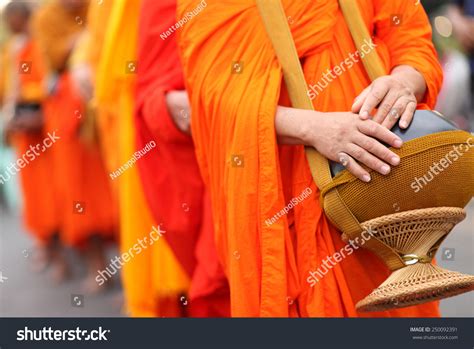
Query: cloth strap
(276,25)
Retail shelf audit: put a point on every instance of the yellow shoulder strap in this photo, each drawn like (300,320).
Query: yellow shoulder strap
(276,25)
(360,35)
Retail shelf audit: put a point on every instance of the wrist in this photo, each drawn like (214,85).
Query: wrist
(309,125)
(412,79)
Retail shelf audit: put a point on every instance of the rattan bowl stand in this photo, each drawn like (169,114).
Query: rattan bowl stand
(416,236)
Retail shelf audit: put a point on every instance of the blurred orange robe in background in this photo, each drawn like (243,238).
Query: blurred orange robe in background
(84,196)
(233,115)
(170,174)
(153,280)
(23,82)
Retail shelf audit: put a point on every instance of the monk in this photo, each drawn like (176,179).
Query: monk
(23,90)
(249,143)
(170,174)
(153,280)
(85,199)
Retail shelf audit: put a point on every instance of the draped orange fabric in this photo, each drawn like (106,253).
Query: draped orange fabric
(170,174)
(39,209)
(153,281)
(84,196)
(233,116)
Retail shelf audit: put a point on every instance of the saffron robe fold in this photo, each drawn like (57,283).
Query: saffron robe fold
(268,265)
(39,206)
(173,186)
(154,279)
(78,173)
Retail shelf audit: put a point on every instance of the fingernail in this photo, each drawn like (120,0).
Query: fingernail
(364,114)
(395,160)
(398,143)
(366,178)
(385,169)
(403,124)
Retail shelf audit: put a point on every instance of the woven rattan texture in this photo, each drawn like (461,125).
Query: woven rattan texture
(414,183)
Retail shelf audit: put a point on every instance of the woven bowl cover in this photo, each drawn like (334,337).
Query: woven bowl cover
(435,170)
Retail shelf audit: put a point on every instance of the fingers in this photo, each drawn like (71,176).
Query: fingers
(407,116)
(364,157)
(371,128)
(360,100)
(377,93)
(394,115)
(392,98)
(403,109)
(386,107)
(391,119)
(353,167)
(379,150)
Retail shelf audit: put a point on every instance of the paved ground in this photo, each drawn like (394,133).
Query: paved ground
(26,293)
(29,294)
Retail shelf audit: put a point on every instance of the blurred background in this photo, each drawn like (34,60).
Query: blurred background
(26,291)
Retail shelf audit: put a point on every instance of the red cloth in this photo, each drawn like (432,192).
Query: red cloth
(170,173)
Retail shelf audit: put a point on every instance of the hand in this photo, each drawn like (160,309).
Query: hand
(179,110)
(393,98)
(345,138)
(82,81)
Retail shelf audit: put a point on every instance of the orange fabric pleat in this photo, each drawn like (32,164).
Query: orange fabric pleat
(233,115)
(39,205)
(85,198)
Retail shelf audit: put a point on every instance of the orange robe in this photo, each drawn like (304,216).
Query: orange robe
(233,115)
(170,174)
(39,206)
(84,196)
(153,280)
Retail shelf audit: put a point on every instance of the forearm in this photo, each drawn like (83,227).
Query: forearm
(412,78)
(291,125)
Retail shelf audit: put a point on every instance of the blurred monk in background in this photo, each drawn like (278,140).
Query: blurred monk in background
(250,144)
(88,218)
(105,74)
(170,174)
(23,91)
